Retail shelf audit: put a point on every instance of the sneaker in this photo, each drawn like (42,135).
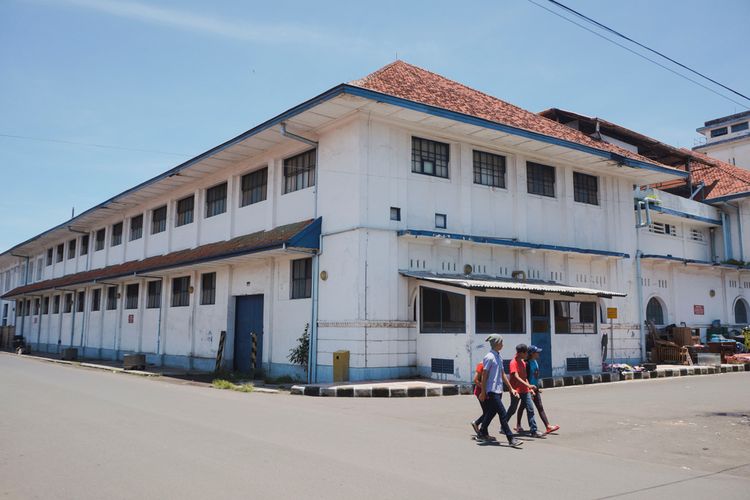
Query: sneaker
(536,435)
(552,428)
(515,443)
(475,426)
(486,437)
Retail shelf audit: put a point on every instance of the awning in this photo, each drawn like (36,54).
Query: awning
(303,235)
(483,283)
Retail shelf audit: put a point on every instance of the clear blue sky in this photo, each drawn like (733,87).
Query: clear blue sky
(183,76)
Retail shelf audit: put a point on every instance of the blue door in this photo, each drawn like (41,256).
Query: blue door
(248,331)
(540,335)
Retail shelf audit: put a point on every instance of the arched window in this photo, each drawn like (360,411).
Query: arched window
(740,312)
(654,311)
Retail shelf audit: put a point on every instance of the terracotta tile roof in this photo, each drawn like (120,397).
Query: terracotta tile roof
(410,82)
(249,243)
(720,178)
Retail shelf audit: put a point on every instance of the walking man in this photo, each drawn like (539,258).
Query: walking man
(493,378)
(523,389)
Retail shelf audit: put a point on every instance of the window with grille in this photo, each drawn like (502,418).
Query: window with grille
(500,315)
(159,220)
(72,249)
(540,179)
(429,157)
(81,300)
(719,132)
(301,279)
(208,288)
(96,299)
(153,296)
(68,303)
(185,210)
(585,188)
(442,312)
(489,169)
(60,252)
(99,241)
(662,228)
(441,221)
(45,305)
(56,304)
(739,127)
(111,298)
(395,213)
(216,200)
(181,291)
(575,317)
(49,256)
(136,227)
(299,171)
(253,187)
(116,234)
(85,244)
(131,296)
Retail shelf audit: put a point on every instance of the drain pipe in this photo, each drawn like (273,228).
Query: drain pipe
(641,315)
(312,357)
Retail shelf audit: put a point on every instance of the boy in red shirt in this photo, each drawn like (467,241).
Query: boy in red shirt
(519,380)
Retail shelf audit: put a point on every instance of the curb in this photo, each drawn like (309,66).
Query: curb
(546,383)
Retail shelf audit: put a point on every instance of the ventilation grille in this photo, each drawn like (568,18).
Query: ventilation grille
(577,364)
(440,365)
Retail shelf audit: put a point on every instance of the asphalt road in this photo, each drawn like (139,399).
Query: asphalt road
(68,432)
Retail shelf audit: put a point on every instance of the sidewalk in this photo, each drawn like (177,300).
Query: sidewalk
(429,388)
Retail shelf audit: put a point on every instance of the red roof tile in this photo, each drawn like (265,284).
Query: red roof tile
(249,243)
(410,82)
(720,178)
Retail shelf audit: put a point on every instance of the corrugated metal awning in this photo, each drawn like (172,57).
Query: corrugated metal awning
(486,282)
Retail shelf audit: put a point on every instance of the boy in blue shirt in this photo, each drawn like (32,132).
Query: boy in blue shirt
(533,373)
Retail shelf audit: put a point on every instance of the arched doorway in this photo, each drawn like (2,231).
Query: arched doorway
(740,312)
(655,311)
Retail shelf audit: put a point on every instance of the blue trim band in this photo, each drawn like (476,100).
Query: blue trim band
(508,242)
(677,213)
(721,199)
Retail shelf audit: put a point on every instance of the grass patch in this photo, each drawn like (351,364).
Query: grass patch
(226,384)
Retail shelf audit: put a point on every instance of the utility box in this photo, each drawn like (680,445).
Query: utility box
(341,366)
(70,354)
(134,362)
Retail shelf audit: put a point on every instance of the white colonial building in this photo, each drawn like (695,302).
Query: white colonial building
(727,139)
(401,218)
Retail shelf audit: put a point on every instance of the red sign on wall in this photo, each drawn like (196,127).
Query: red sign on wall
(698,310)
(131,317)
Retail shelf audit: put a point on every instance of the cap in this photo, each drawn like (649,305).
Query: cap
(494,339)
(533,349)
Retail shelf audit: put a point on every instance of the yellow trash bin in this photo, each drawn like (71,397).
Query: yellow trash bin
(341,366)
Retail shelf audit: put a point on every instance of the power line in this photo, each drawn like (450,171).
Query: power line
(647,48)
(637,54)
(104,146)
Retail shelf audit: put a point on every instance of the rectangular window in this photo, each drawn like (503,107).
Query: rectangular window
(489,169)
(19,308)
(253,187)
(442,312)
(159,220)
(697,235)
(111,298)
(299,171)
(500,315)
(85,244)
(136,227)
(72,249)
(56,304)
(60,252)
(301,279)
(181,291)
(37,306)
(719,132)
(429,157)
(39,266)
(575,317)
(185,210)
(27,308)
(585,188)
(216,200)
(208,288)
(131,296)
(739,127)
(395,213)
(540,179)
(662,228)
(99,241)
(49,256)
(80,302)
(96,299)
(68,303)
(45,305)
(153,297)
(441,221)
(116,234)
